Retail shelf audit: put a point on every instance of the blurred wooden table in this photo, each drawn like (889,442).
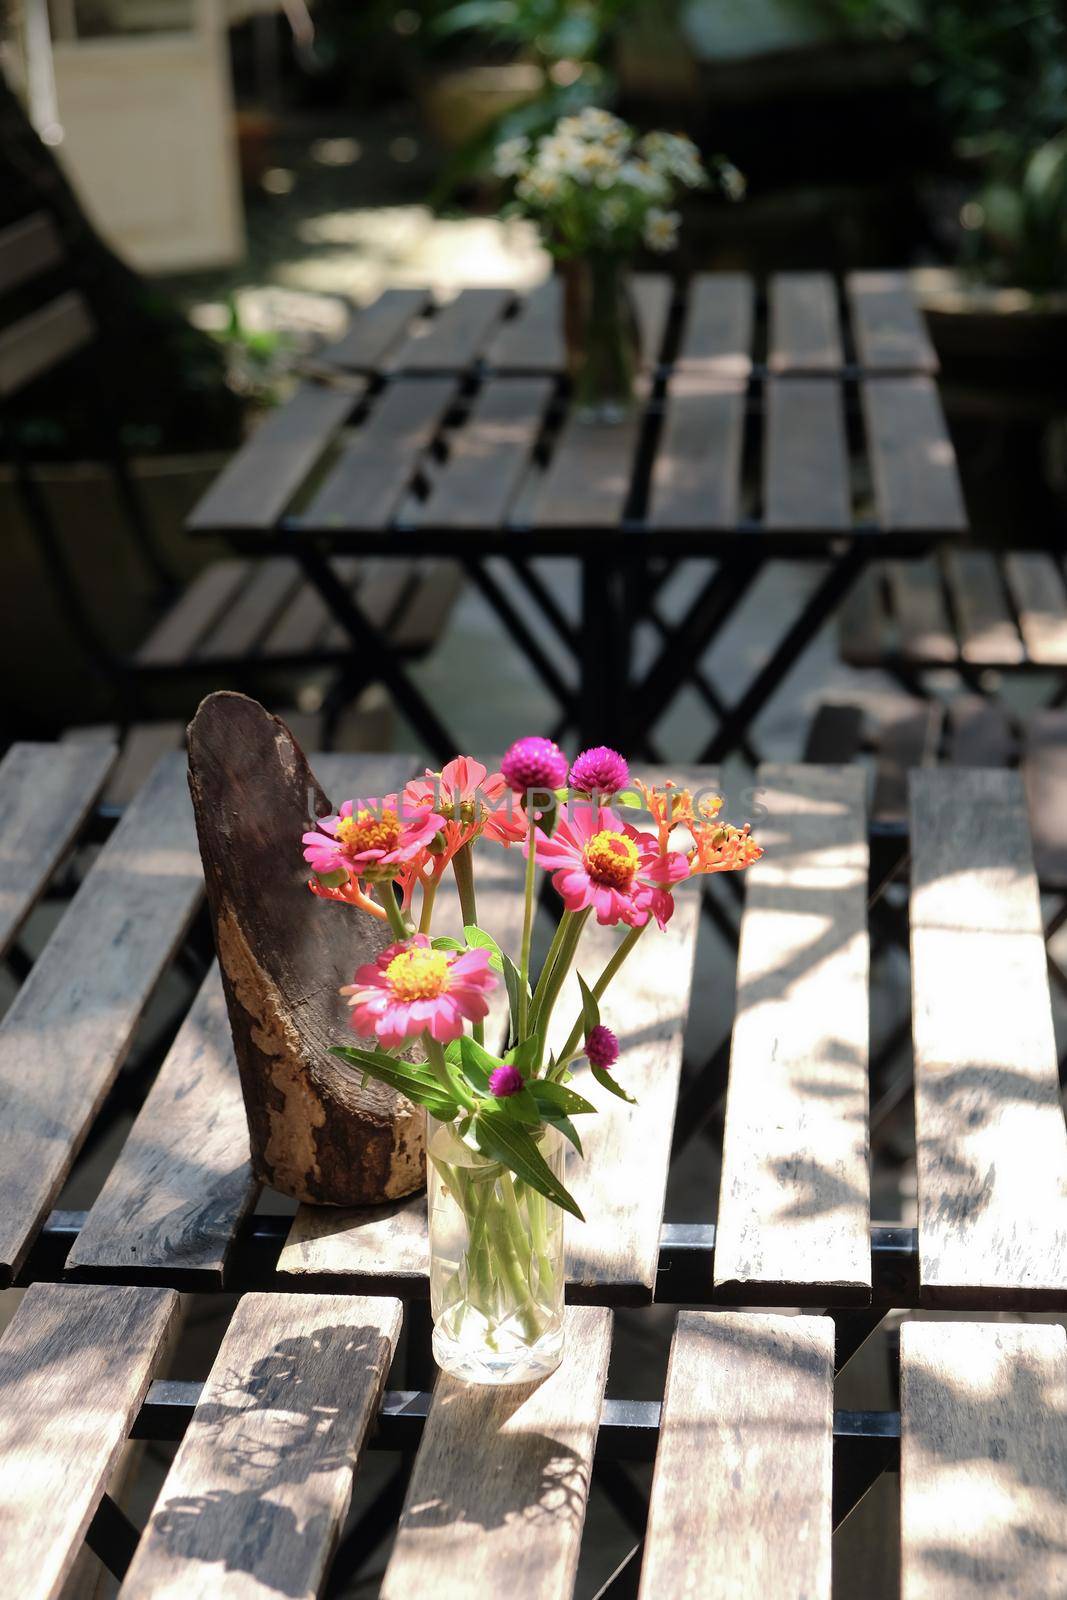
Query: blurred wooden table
(797,422)
(754,1467)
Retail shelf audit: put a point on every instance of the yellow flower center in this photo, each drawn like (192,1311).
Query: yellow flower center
(418,974)
(611,858)
(368,830)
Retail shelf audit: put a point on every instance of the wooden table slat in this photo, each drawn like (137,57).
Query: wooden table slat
(258,483)
(653,293)
(75,1363)
(716,337)
(194,614)
(741,1496)
(805,329)
(794,1202)
(252,613)
(375,330)
(1044,769)
(988,635)
(66,1033)
(532,340)
(587,481)
(887,325)
(924,631)
(498,1496)
(182,1184)
(488,456)
(254,1501)
(916,482)
(1036,584)
(910,737)
(983,1460)
(991,1142)
(46,792)
(457,335)
(377,462)
(42,340)
(979,733)
(806,467)
(696,476)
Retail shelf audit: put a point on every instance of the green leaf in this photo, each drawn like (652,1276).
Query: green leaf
(413,1081)
(567,1129)
(606,1081)
(478,939)
(525,1056)
(513,1148)
(590,1007)
(554,1098)
(521,1107)
(477,1062)
(513,980)
(445,941)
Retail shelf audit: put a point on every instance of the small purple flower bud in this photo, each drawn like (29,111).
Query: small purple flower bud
(534,763)
(601,1047)
(600,770)
(505,1081)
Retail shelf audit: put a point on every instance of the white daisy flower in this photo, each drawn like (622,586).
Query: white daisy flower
(661,229)
(509,158)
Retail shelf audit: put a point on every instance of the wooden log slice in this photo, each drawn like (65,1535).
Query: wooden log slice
(317,1133)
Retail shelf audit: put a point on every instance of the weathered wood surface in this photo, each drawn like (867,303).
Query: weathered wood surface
(489,455)
(888,326)
(979,733)
(805,468)
(257,485)
(988,635)
(375,331)
(390,1242)
(716,336)
(983,1461)
(924,632)
(74,1365)
(249,615)
(316,1132)
(910,737)
(28,248)
(182,1185)
(377,461)
(696,475)
(805,330)
(457,335)
(176,635)
(991,1142)
(532,340)
(254,1501)
(794,1202)
(741,1493)
(67,1032)
(587,482)
(916,482)
(864,628)
(46,791)
(1036,584)
(653,293)
(497,1500)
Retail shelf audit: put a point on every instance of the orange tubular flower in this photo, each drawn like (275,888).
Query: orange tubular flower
(714,846)
(722,848)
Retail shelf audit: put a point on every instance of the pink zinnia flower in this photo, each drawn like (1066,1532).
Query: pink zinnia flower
(413,988)
(505,1081)
(369,837)
(534,763)
(471,801)
(598,861)
(601,1047)
(600,770)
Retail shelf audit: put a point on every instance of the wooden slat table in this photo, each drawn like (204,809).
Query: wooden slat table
(802,421)
(754,1467)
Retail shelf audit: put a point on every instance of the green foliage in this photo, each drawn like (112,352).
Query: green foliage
(1021,238)
(513,1147)
(412,1079)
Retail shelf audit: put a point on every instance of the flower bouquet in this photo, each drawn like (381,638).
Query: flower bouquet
(597,191)
(501,1111)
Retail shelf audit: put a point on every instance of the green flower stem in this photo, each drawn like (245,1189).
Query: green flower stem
(550,962)
(452,1083)
(389,900)
(619,955)
(463,871)
(527,926)
(513,1248)
(429,895)
(574,922)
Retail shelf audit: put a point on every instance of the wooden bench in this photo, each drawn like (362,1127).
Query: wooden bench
(975,611)
(754,1467)
(240,622)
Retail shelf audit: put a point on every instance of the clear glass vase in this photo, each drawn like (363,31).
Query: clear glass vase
(601,336)
(496,1263)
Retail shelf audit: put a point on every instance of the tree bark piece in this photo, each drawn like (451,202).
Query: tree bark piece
(316,1132)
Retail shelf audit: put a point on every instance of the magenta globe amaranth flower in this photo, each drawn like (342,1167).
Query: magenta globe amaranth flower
(534,763)
(601,1047)
(505,1081)
(600,770)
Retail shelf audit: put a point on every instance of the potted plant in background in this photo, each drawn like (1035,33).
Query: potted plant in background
(501,1113)
(598,192)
